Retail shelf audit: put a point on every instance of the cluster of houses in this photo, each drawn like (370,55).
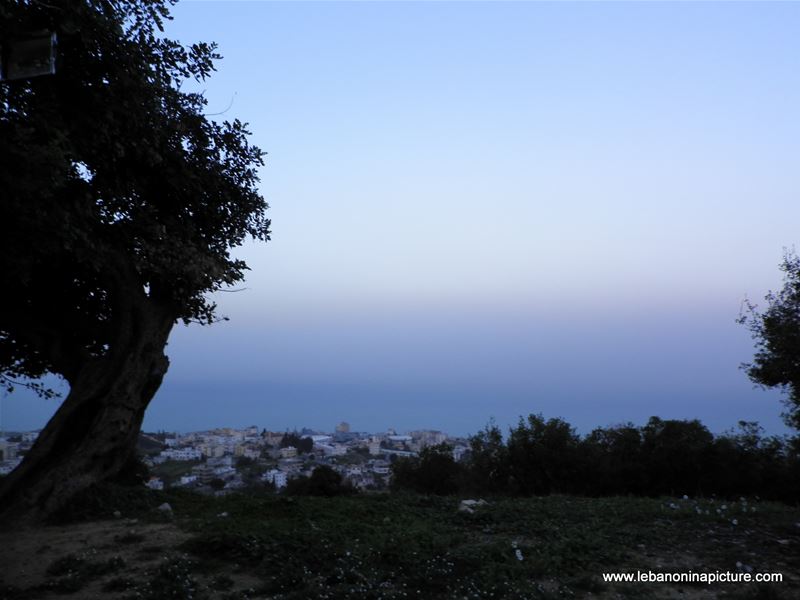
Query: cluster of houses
(223,460)
(13,448)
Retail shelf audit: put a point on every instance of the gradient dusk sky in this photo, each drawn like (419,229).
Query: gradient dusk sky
(497,208)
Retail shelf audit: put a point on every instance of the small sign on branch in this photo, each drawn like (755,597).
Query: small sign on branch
(28,56)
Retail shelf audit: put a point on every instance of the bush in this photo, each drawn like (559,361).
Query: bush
(664,457)
(434,472)
(543,457)
(324,481)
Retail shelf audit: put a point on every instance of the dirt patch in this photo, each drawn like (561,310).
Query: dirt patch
(118,558)
(35,558)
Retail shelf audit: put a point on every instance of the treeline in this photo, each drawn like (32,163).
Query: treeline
(664,457)
(304,444)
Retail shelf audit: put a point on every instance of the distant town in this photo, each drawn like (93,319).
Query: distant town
(223,460)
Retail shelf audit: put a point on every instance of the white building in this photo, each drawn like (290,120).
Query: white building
(331,449)
(399,440)
(6,466)
(288,452)
(8,450)
(247,450)
(278,478)
(428,437)
(224,471)
(221,461)
(380,467)
(182,454)
(459,452)
(155,484)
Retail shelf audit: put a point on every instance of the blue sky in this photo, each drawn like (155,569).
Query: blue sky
(490,209)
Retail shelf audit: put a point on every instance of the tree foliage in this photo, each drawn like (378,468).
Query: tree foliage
(304,445)
(116,186)
(542,456)
(324,481)
(664,457)
(434,471)
(776,332)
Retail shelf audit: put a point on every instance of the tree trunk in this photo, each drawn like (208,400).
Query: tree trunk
(94,432)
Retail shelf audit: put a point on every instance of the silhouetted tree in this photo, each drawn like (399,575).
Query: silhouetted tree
(324,481)
(613,461)
(543,456)
(121,202)
(776,332)
(488,461)
(304,445)
(216,484)
(434,471)
(669,457)
(244,462)
(676,456)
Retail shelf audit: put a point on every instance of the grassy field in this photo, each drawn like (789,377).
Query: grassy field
(396,546)
(171,470)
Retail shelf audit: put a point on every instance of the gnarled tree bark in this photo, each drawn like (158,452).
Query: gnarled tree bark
(94,432)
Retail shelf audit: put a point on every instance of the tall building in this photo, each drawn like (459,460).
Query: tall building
(204,473)
(8,450)
(343,427)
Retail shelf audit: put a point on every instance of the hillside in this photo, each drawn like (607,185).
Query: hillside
(146,444)
(398,546)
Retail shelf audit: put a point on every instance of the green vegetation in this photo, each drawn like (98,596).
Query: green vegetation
(171,471)
(324,481)
(304,445)
(71,573)
(662,458)
(776,332)
(372,546)
(147,444)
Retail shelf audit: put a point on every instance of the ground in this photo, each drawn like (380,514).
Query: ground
(120,545)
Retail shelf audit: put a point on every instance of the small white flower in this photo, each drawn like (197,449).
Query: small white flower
(735,521)
(518,553)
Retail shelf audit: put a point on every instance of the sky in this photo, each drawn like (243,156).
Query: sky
(489,209)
